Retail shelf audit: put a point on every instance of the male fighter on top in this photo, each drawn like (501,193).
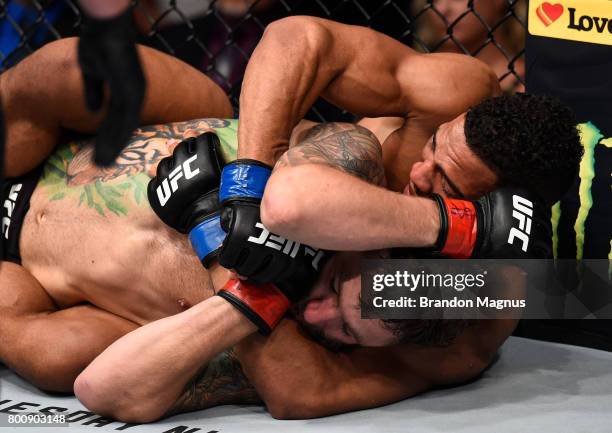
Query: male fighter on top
(477,164)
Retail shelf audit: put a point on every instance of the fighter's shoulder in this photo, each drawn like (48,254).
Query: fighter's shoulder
(469,72)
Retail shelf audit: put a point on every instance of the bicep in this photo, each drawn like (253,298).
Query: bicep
(391,79)
(367,63)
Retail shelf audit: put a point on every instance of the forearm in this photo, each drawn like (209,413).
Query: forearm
(329,209)
(178,346)
(302,58)
(281,65)
(297,378)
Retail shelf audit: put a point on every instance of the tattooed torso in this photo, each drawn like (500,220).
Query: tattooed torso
(90,235)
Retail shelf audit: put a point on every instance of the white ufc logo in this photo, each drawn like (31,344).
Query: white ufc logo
(9,204)
(170,184)
(286,246)
(523,211)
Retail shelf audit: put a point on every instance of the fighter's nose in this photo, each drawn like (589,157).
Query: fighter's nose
(421,177)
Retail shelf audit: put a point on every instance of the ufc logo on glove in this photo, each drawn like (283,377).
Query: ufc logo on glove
(286,246)
(9,204)
(523,211)
(170,184)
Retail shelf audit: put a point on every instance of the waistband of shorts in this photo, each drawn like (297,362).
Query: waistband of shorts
(15,194)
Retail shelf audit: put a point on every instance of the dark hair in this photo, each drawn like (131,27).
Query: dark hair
(527,140)
(428,332)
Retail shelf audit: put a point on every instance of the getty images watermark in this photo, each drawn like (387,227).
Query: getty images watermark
(486,289)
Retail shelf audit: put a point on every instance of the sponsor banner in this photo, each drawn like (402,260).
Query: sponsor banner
(434,289)
(576,20)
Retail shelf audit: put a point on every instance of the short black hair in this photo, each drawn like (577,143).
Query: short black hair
(527,140)
(427,332)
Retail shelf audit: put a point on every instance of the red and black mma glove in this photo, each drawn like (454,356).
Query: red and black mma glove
(184,193)
(508,223)
(252,251)
(266,302)
(107,54)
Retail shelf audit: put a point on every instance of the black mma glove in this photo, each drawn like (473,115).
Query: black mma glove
(507,223)
(249,248)
(107,54)
(184,193)
(263,257)
(292,269)
(2,146)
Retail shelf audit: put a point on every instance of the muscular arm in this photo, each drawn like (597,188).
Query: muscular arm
(44,94)
(297,378)
(334,178)
(153,367)
(356,68)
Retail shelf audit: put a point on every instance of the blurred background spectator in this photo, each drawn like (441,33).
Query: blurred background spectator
(486,29)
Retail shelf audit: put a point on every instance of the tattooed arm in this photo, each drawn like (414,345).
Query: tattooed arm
(222,381)
(334,178)
(158,360)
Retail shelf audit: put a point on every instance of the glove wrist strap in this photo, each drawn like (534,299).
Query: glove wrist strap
(206,239)
(458,228)
(264,305)
(244,178)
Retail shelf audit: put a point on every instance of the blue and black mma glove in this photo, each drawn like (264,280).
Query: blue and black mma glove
(282,270)
(242,186)
(250,249)
(184,193)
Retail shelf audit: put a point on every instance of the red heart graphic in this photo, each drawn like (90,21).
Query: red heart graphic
(548,13)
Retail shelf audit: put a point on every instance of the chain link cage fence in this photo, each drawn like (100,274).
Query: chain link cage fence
(218,36)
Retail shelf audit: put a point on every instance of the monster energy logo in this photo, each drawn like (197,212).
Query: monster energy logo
(590,138)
